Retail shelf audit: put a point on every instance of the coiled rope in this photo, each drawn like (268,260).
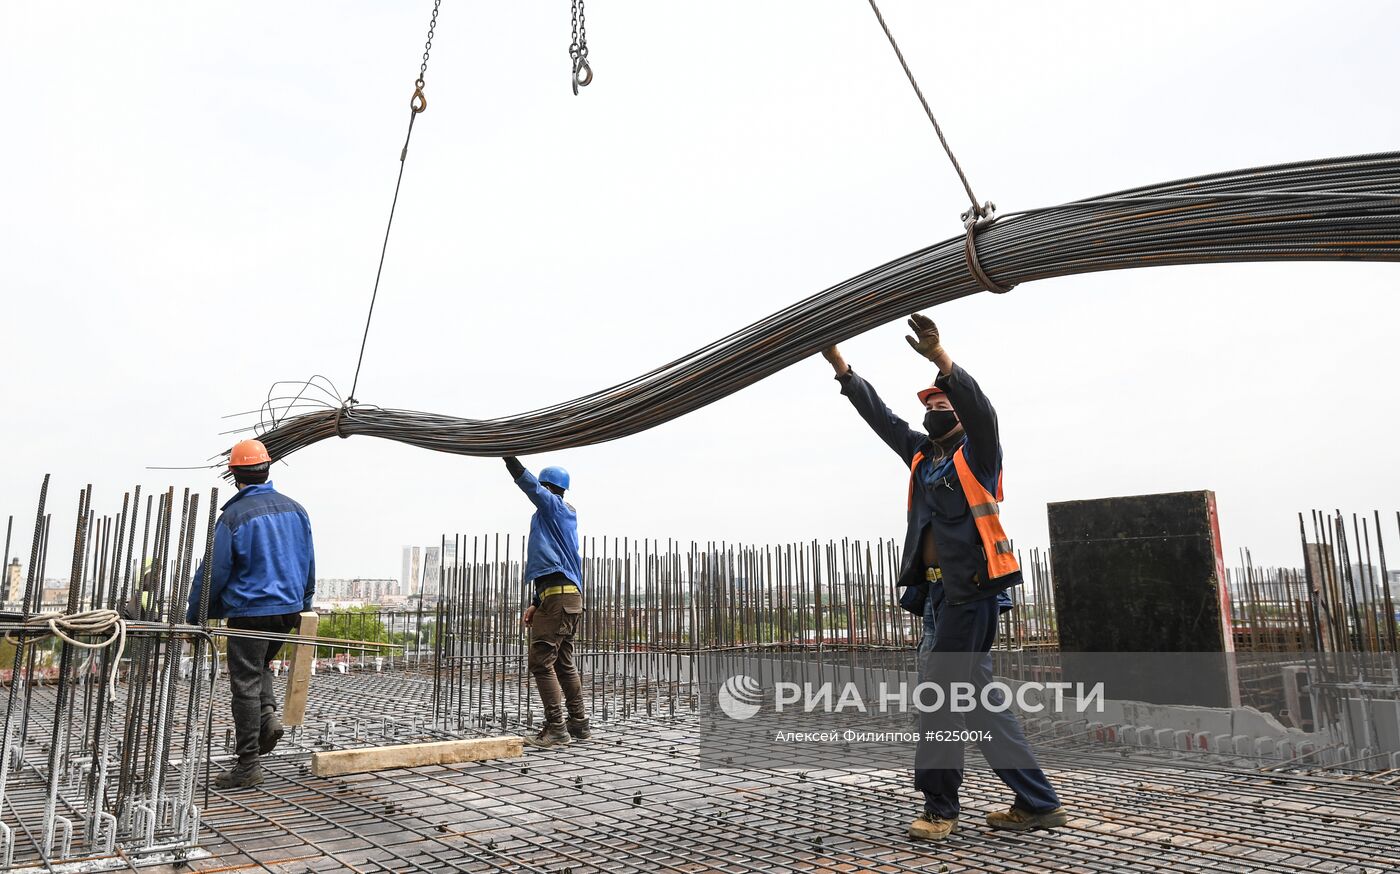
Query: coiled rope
(69,626)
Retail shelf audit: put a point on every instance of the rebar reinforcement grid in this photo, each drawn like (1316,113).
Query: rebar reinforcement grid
(94,711)
(106,710)
(639,798)
(653,608)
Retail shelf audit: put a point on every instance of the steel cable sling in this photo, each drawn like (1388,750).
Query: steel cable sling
(1342,209)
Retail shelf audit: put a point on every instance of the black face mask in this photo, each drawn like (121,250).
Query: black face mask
(939,422)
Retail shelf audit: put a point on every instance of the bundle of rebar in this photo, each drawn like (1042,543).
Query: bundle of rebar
(1342,209)
(104,777)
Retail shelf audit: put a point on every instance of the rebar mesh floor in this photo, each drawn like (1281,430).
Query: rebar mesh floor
(637,798)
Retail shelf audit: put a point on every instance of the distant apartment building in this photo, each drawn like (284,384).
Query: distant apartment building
(14,583)
(408,577)
(431,567)
(359,591)
(422,569)
(54,593)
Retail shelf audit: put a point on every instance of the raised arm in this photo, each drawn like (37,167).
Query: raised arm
(975,411)
(838,364)
(540,496)
(896,433)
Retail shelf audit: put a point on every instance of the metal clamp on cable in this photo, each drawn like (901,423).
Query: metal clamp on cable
(974,218)
(419,101)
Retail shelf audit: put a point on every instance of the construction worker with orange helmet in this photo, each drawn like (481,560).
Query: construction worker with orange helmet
(262,576)
(957,568)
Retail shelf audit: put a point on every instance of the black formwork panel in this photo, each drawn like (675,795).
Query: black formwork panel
(1144,575)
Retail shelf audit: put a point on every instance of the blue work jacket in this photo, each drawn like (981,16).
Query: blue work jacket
(553,544)
(937,502)
(263,564)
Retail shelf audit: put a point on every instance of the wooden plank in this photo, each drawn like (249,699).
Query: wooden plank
(335,762)
(299,674)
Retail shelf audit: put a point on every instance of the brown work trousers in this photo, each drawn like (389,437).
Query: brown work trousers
(552,656)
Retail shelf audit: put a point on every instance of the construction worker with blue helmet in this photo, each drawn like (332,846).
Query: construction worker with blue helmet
(555,476)
(554,570)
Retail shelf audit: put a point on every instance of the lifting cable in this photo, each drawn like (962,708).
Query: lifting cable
(978,215)
(416,104)
(1249,215)
(582,76)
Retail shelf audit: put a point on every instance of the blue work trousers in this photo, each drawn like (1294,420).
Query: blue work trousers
(957,649)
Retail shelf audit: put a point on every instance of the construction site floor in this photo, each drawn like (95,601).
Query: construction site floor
(639,798)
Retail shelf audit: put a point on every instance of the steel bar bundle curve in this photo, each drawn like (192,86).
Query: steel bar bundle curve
(1341,209)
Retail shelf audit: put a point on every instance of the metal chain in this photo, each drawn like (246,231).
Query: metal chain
(419,102)
(428,46)
(977,212)
(578,48)
(582,38)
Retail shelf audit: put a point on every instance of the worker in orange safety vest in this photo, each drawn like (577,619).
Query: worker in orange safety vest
(956,570)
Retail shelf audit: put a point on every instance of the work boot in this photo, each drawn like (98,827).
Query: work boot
(1019,820)
(578,729)
(554,734)
(241,777)
(270,735)
(927,827)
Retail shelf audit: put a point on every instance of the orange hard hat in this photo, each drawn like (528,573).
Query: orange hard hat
(930,392)
(248,452)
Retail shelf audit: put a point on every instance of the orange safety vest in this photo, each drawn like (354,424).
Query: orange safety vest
(1001,559)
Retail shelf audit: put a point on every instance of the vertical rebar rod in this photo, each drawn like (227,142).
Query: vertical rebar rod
(7,744)
(65,660)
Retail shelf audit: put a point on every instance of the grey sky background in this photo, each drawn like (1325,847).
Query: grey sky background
(194,197)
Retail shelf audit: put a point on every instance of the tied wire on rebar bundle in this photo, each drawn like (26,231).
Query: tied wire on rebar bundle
(1342,209)
(317,393)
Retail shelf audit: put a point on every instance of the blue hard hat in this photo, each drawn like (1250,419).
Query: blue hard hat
(555,476)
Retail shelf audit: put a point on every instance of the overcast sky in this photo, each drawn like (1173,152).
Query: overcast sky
(194,197)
